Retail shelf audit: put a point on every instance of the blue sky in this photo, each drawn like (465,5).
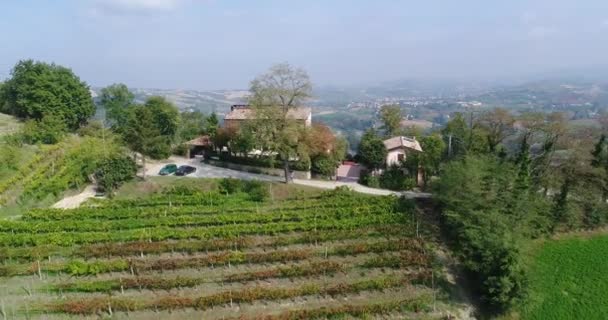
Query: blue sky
(216,44)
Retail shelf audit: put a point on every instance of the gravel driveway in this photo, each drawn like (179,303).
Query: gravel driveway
(209,171)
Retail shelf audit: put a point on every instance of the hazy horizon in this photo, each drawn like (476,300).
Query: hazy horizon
(221,44)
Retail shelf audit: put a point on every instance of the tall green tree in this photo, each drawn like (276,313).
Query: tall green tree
(192,124)
(38,89)
(211,125)
(372,152)
(116,100)
(391,119)
(273,95)
(151,128)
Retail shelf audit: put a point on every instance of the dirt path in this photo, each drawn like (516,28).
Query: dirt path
(75,201)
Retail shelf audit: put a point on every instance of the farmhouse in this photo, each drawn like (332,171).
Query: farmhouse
(241,113)
(399,147)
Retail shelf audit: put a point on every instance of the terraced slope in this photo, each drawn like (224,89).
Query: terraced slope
(210,256)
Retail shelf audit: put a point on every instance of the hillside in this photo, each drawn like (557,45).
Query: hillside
(8,124)
(191,255)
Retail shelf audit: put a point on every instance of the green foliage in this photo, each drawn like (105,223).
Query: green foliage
(369,180)
(49,130)
(324,165)
(37,89)
(487,219)
(372,151)
(113,171)
(152,127)
(391,118)
(191,125)
(116,100)
(394,178)
(256,190)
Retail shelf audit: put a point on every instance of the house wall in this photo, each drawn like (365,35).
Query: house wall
(393,156)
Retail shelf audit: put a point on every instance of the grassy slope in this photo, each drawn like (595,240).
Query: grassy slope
(568,279)
(8,124)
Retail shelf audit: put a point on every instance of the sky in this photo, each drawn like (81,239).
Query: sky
(224,44)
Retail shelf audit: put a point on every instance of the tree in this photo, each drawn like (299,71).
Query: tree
(166,115)
(429,160)
(211,125)
(273,95)
(497,123)
(150,128)
(38,89)
(116,100)
(113,171)
(455,134)
(391,118)
(372,151)
(192,124)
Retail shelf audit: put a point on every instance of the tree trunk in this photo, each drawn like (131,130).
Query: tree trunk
(287,171)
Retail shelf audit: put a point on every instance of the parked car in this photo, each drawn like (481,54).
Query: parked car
(168,169)
(184,170)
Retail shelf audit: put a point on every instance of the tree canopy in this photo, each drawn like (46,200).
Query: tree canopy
(391,118)
(273,95)
(38,89)
(116,100)
(372,151)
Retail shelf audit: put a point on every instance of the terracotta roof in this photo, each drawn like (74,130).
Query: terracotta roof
(243,112)
(201,141)
(402,142)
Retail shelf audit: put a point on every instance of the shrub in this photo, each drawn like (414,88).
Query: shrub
(113,171)
(49,130)
(256,190)
(394,178)
(323,165)
(230,185)
(369,180)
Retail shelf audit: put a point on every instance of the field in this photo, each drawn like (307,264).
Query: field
(568,280)
(206,255)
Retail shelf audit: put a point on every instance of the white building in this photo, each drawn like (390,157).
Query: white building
(398,149)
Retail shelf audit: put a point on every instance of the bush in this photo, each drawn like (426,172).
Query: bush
(265,162)
(230,185)
(323,165)
(254,189)
(394,178)
(49,130)
(369,180)
(113,171)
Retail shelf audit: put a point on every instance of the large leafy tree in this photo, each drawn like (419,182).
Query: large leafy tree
(116,100)
(372,152)
(38,89)
(191,125)
(273,95)
(498,123)
(391,119)
(151,128)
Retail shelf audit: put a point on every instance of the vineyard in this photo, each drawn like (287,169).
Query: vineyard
(213,256)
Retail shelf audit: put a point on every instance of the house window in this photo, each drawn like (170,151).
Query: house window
(401,157)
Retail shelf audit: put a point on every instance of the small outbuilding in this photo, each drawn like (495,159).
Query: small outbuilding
(198,146)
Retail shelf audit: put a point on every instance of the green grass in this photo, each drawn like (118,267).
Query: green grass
(569,280)
(140,189)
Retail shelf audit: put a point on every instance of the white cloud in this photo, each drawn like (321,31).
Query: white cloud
(133,6)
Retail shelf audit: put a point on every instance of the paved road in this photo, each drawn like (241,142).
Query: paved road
(209,171)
